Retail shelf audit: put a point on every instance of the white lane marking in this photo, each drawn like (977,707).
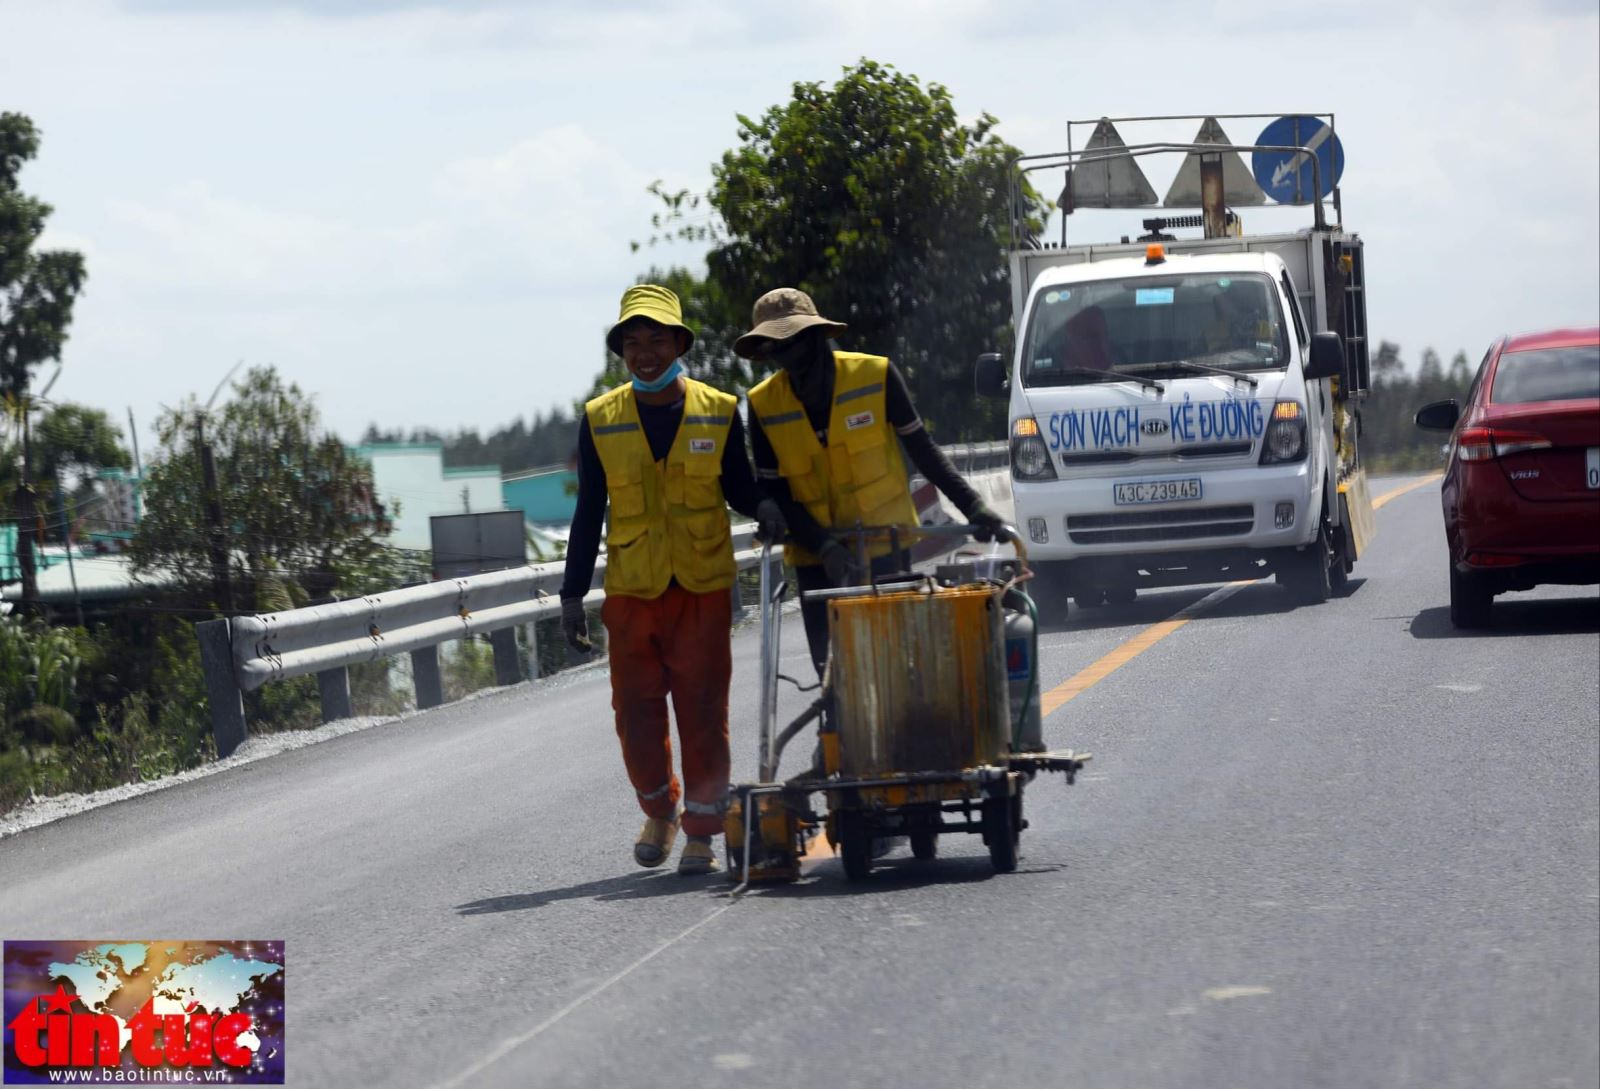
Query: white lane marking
(507,1046)
(1223,994)
(734,1060)
(1460,687)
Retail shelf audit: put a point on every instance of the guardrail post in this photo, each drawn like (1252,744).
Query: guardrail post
(222,685)
(507,670)
(426,678)
(333,685)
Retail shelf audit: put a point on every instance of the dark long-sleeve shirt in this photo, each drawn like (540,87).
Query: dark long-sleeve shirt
(914,438)
(660,424)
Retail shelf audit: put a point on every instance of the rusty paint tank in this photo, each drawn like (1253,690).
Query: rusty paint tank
(919,679)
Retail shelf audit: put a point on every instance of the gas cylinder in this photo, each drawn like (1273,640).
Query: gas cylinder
(1022,685)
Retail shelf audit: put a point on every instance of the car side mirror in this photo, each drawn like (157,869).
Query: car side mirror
(990,377)
(1439,416)
(1327,357)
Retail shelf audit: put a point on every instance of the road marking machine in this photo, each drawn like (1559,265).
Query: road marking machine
(929,712)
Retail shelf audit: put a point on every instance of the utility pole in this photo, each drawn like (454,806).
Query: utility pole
(27,531)
(216,538)
(68,511)
(138,469)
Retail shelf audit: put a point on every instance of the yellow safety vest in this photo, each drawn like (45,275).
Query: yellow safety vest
(860,476)
(668,518)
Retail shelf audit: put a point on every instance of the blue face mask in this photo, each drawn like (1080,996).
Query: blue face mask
(662,381)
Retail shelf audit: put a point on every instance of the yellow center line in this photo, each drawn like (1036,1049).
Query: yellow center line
(1124,653)
(1395,493)
(1098,671)
(817,848)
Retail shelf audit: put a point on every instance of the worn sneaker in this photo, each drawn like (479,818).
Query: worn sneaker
(698,857)
(655,840)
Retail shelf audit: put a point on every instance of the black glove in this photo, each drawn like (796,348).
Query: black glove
(575,624)
(987,525)
(841,565)
(771,526)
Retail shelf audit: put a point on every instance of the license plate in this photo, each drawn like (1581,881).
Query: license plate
(1592,469)
(1157,491)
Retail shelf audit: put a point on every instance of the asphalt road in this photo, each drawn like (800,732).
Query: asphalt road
(1337,846)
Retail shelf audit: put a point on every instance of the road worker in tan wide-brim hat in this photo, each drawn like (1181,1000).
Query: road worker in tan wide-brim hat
(827,430)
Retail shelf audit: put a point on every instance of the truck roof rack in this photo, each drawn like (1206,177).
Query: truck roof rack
(1104,172)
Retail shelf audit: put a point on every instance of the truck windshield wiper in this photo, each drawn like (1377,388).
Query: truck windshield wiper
(1108,376)
(1201,368)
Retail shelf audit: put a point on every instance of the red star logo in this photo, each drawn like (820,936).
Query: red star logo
(60,1001)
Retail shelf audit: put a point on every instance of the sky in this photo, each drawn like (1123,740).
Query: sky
(422,212)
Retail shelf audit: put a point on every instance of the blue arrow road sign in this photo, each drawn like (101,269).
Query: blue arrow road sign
(1287,177)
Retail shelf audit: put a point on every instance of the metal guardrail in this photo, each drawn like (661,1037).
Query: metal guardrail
(979,457)
(241,653)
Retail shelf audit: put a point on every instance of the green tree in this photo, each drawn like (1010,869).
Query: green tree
(71,444)
(873,197)
(37,291)
(73,441)
(300,517)
(1390,438)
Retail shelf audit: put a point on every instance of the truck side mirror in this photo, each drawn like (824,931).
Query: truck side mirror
(1439,416)
(1327,357)
(989,376)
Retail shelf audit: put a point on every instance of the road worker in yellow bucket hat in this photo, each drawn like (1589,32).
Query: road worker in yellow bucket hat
(665,454)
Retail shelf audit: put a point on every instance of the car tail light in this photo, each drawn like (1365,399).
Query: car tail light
(1492,559)
(1486,443)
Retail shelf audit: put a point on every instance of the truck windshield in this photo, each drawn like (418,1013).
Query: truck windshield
(1082,333)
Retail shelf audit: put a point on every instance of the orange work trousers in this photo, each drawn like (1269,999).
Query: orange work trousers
(677,645)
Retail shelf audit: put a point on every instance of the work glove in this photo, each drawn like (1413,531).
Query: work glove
(987,525)
(771,526)
(575,624)
(840,564)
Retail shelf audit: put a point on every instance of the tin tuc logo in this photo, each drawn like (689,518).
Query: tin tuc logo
(144,1011)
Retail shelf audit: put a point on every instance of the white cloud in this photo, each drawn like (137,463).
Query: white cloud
(422,211)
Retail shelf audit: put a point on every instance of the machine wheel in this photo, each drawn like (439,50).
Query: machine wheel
(1089,598)
(925,844)
(1470,600)
(1002,827)
(855,845)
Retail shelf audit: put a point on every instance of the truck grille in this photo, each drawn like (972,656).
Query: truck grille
(1143,526)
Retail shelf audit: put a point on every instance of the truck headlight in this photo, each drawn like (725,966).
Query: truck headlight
(1286,434)
(1030,457)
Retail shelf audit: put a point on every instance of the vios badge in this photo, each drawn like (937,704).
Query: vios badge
(1155,427)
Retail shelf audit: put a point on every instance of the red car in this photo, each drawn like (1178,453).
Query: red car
(1522,489)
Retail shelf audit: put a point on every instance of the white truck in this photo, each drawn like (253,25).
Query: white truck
(1185,410)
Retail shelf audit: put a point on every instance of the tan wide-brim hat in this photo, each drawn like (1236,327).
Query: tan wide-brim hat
(650,301)
(779,315)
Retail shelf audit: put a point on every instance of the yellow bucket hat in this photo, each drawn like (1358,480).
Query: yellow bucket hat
(651,301)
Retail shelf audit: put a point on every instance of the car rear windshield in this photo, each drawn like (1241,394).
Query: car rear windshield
(1079,331)
(1547,374)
